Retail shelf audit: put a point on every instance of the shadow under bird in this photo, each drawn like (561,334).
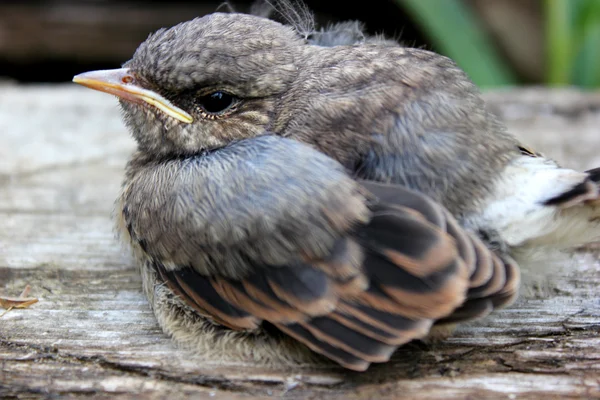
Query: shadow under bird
(343,190)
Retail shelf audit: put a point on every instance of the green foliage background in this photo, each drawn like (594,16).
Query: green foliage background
(572,41)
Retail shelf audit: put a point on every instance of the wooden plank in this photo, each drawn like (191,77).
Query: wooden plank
(62,151)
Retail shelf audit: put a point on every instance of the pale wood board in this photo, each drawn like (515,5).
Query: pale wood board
(92,334)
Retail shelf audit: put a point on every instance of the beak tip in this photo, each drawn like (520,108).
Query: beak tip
(79,78)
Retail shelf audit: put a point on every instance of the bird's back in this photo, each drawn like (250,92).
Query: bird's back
(406,116)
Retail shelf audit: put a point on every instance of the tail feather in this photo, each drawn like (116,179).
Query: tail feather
(594,174)
(577,214)
(539,204)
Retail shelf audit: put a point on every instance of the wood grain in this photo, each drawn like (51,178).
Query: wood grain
(92,334)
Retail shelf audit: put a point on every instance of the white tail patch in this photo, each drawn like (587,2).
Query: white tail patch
(517,209)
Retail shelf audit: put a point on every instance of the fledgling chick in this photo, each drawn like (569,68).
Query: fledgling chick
(338,192)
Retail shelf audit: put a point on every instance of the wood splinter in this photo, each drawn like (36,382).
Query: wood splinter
(17,302)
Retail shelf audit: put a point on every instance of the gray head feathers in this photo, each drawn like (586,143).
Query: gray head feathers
(299,17)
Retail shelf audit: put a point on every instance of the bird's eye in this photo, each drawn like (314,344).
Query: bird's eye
(216,102)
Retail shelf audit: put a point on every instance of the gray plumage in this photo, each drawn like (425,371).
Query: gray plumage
(401,115)
(329,184)
(232,204)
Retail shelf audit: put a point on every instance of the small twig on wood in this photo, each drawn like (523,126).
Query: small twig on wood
(17,302)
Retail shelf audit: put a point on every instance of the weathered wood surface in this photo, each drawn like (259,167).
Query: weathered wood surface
(62,150)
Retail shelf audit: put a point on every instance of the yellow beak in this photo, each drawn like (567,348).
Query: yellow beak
(122,83)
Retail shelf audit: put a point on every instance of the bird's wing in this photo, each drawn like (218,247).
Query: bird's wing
(493,279)
(350,273)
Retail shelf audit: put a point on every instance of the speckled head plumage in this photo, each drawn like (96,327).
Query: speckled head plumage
(238,52)
(186,64)
(258,64)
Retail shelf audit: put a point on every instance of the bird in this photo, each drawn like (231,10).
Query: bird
(306,195)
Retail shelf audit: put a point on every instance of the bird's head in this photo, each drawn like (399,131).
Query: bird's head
(203,83)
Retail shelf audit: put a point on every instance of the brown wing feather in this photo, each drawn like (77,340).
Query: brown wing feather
(383,284)
(494,280)
(197,292)
(483,299)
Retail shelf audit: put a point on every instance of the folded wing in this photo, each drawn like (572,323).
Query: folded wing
(366,268)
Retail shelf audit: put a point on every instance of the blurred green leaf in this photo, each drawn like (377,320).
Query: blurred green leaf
(573,42)
(453,29)
(560,19)
(586,71)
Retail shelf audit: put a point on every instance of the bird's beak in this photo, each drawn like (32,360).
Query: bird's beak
(122,83)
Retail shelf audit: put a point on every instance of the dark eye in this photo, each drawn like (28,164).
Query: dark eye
(216,102)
